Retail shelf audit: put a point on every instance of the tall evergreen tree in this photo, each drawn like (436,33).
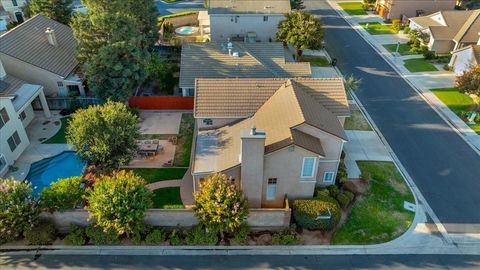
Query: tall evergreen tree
(58,10)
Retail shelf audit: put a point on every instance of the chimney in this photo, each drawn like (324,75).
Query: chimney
(229,47)
(252,153)
(3,74)
(51,36)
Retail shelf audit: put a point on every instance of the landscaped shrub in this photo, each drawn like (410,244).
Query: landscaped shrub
(343,200)
(200,235)
(18,209)
(342,175)
(63,194)
(177,236)
(322,192)
(76,236)
(286,237)
(333,190)
(396,24)
(100,237)
(309,213)
(428,55)
(349,194)
(366,176)
(43,233)
(155,237)
(240,236)
(406,30)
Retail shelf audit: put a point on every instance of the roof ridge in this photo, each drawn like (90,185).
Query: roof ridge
(466,26)
(267,66)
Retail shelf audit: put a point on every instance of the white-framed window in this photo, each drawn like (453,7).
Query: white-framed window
(23,115)
(4,118)
(3,162)
(208,122)
(14,3)
(271,189)
(60,84)
(308,167)
(14,141)
(328,177)
(265,18)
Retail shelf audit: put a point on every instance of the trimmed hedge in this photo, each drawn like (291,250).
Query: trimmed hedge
(306,213)
(76,236)
(160,19)
(42,233)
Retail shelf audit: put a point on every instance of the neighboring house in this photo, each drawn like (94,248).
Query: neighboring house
(396,9)
(449,30)
(4,19)
(273,137)
(465,58)
(16,112)
(237,60)
(14,8)
(42,51)
(246,20)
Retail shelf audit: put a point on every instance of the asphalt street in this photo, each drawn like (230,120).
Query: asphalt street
(442,164)
(393,262)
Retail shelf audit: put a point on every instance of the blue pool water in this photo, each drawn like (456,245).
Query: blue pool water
(186,30)
(46,171)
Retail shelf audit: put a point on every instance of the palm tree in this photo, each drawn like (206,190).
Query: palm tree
(351,83)
(302,30)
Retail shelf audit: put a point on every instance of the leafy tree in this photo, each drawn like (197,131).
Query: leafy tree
(104,135)
(162,72)
(469,81)
(18,209)
(220,204)
(302,30)
(116,71)
(297,4)
(58,10)
(119,202)
(63,194)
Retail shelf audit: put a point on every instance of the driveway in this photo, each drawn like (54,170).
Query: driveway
(444,167)
(179,6)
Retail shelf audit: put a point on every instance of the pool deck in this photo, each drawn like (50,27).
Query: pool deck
(36,151)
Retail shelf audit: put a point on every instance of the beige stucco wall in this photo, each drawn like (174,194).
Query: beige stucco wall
(31,74)
(462,61)
(397,8)
(224,26)
(216,122)
(441,46)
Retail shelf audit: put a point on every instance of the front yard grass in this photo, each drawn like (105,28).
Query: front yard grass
(457,102)
(167,198)
(378,216)
(316,61)
(376,28)
(419,65)
(161,174)
(404,48)
(353,8)
(59,137)
(184,142)
(356,121)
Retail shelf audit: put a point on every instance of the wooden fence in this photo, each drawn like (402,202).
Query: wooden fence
(161,103)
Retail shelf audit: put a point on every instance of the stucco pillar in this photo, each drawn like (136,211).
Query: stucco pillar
(45,108)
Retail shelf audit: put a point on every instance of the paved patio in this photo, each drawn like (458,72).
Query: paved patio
(159,122)
(160,160)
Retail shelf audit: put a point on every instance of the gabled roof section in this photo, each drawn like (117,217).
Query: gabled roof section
(28,43)
(241,98)
(212,60)
(249,6)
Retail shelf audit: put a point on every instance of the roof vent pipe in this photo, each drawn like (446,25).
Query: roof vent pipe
(253,131)
(229,47)
(51,36)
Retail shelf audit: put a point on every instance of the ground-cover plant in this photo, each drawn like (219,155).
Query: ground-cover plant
(19,211)
(286,237)
(119,202)
(104,135)
(201,235)
(155,237)
(240,236)
(320,213)
(63,194)
(43,233)
(302,30)
(184,142)
(378,216)
(220,204)
(76,236)
(99,236)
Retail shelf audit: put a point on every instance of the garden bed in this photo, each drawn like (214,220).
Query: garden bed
(185,139)
(316,61)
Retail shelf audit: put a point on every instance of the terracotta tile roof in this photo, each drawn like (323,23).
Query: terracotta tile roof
(28,43)
(241,98)
(287,108)
(248,6)
(255,60)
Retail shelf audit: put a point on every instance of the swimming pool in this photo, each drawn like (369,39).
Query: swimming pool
(42,173)
(186,30)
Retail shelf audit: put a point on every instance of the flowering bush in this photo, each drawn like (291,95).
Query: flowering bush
(220,204)
(18,209)
(63,194)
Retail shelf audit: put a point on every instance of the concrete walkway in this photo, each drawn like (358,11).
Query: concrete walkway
(421,81)
(186,189)
(164,184)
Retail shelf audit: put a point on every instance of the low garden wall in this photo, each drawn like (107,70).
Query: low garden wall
(259,219)
(161,103)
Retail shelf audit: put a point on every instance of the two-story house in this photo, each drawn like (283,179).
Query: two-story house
(273,137)
(14,8)
(246,20)
(395,9)
(42,51)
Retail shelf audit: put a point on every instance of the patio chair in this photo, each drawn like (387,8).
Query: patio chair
(148,142)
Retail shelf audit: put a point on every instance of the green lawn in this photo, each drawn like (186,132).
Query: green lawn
(59,137)
(168,198)
(356,121)
(419,65)
(316,61)
(404,49)
(378,216)
(353,8)
(160,174)
(376,28)
(457,102)
(184,145)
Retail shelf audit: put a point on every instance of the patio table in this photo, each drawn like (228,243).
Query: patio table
(148,147)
